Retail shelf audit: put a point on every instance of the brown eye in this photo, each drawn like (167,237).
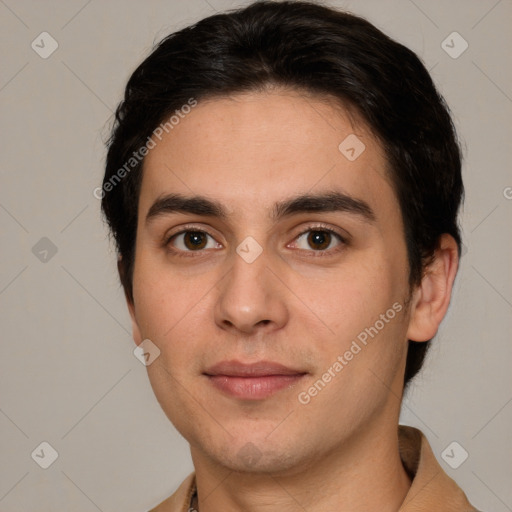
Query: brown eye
(319,240)
(192,241)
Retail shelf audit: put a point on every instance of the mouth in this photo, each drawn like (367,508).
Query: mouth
(255,381)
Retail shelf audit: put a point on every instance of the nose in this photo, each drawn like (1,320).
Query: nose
(251,297)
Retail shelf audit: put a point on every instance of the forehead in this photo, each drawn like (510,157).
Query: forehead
(252,149)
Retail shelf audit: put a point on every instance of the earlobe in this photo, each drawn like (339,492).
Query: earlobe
(137,337)
(136,334)
(432,297)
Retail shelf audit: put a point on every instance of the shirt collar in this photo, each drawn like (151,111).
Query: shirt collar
(431,489)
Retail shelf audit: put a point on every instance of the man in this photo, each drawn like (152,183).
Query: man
(283,183)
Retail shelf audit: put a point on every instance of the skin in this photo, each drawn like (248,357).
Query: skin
(291,305)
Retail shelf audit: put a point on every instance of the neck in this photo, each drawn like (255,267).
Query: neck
(366,473)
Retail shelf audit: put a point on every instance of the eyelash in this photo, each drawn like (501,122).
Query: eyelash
(315,254)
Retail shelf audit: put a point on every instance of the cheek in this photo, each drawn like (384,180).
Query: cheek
(363,306)
(173,311)
(161,296)
(350,296)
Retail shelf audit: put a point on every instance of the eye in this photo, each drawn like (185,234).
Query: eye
(192,241)
(319,240)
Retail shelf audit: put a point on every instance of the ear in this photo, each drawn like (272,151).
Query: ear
(432,297)
(136,334)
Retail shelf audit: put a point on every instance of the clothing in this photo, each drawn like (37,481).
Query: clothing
(432,490)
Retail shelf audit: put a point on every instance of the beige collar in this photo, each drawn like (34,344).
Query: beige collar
(431,490)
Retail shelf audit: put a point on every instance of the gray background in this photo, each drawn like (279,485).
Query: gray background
(68,375)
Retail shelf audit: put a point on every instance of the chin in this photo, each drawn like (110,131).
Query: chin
(254,459)
(256,453)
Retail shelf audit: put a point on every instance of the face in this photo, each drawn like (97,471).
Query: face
(276,297)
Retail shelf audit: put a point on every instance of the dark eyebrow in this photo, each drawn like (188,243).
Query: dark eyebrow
(177,203)
(328,202)
(304,203)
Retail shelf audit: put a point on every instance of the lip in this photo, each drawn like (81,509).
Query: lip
(253,381)
(235,368)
